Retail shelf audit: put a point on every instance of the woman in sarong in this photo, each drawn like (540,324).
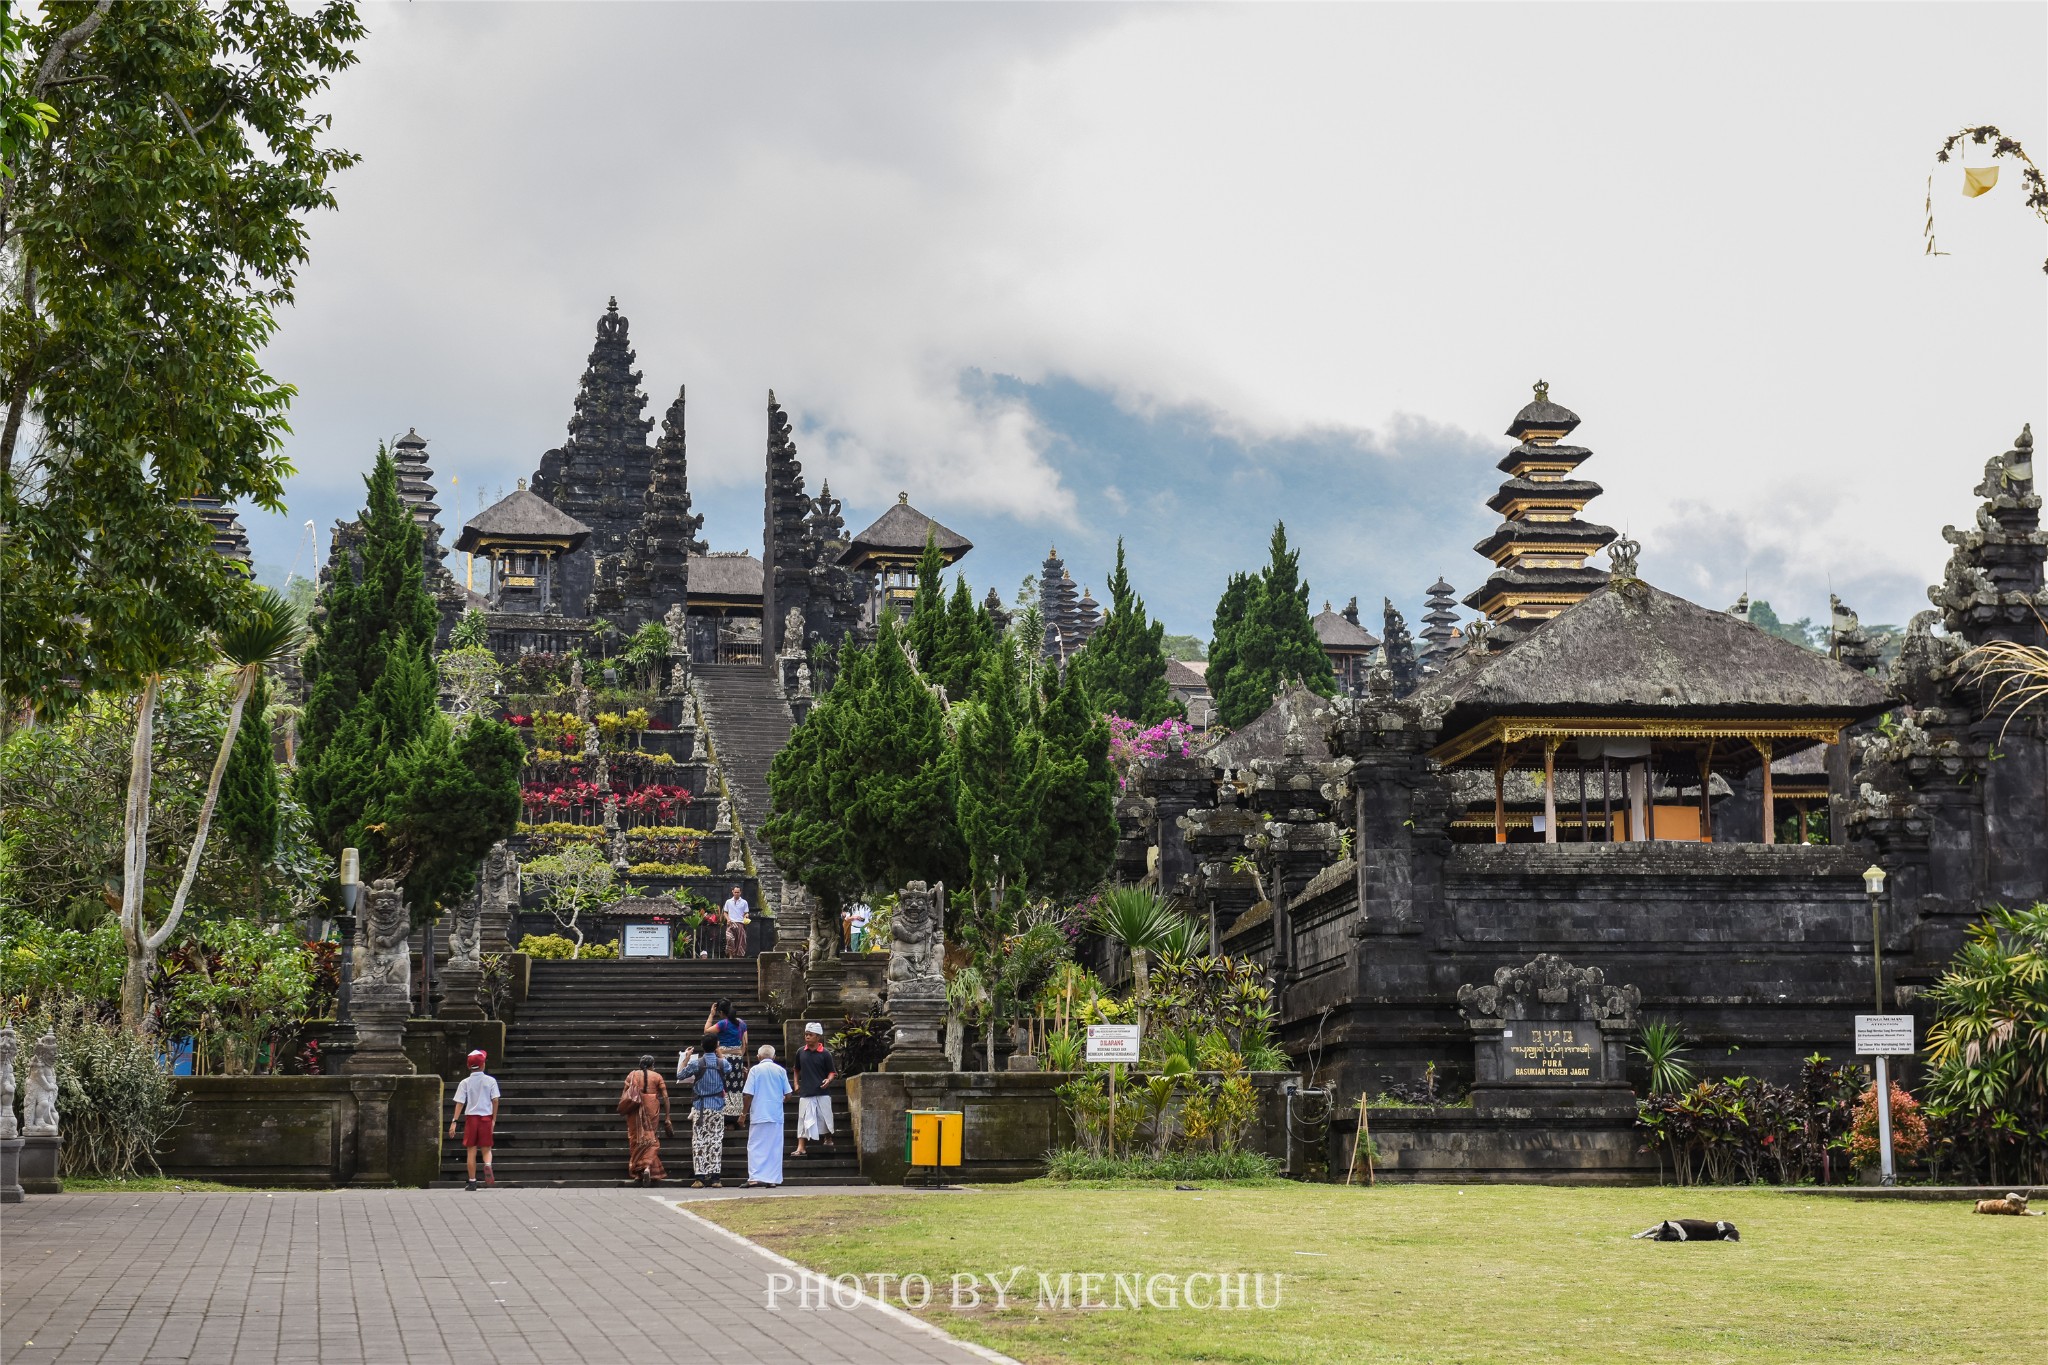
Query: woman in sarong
(705,1073)
(646,1123)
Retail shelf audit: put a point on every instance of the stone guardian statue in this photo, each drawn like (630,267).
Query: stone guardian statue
(917,979)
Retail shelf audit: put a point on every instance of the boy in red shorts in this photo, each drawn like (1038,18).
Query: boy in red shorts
(476,1110)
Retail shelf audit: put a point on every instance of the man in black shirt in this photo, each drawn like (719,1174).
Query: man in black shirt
(815,1070)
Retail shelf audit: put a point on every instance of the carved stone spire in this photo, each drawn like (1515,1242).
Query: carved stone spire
(653,572)
(600,475)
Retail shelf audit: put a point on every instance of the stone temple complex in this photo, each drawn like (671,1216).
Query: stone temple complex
(1605,773)
(1597,802)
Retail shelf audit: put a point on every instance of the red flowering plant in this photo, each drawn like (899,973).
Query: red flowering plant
(654,804)
(1131,744)
(1909,1128)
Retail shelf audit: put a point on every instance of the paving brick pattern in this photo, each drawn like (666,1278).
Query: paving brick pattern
(406,1278)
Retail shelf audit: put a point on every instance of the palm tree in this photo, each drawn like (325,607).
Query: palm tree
(1139,920)
(263,634)
(1988,1048)
(2020,671)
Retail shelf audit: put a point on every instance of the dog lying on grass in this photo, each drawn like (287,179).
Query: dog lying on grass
(1689,1230)
(2012,1203)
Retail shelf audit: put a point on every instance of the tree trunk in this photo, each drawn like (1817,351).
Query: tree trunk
(134,862)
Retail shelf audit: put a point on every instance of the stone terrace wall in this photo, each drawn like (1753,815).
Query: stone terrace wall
(1760,949)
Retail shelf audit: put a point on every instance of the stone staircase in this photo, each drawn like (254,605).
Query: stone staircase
(583,1026)
(749,722)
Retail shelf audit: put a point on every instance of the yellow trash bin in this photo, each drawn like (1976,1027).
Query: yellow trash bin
(932,1137)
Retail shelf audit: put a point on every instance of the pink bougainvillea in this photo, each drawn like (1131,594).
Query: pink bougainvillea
(1131,743)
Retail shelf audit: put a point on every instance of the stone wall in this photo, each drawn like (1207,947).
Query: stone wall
(314,1132)
(1013,1118)
(1762,953)
(1465,1147)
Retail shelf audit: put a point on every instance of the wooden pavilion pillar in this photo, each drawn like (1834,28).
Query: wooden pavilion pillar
(1500,797)
(1550,790)
(1707,794)
(1763,746)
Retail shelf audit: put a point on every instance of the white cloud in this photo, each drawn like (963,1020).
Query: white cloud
(1700,223)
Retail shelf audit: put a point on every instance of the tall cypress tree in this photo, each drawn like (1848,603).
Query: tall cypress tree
(901,784)
(965,643)
(1265,638)
(381,769)
(1123,665)
(376,613)
(810,782)
(248,815)
(1073,792)
(997,811)
(924,630)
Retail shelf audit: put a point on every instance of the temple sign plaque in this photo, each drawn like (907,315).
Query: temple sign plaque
(1548,1037)
(1568,1052)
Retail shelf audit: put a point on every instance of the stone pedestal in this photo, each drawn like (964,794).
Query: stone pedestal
(10,1171)
(460,982)
(919,1021)
(37,1166)
(380,1038)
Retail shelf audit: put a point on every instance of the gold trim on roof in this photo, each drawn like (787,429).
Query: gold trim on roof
(1514,729)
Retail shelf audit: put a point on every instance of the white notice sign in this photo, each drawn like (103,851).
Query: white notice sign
(1884,1035)
(645,940)
(1112,1042)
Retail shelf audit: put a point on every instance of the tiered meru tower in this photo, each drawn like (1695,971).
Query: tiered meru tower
(1540,548)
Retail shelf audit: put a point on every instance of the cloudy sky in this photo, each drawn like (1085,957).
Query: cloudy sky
(1066,273)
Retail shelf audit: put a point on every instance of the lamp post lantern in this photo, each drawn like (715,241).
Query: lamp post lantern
(1873,883)
(351,898)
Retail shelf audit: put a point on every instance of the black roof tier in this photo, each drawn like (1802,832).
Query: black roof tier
(1335,631)
(1562,490)
(1557,582)
(902,531)
(521,515)
(1638,651)
(1528,452)
(1542,415)
(1570,536)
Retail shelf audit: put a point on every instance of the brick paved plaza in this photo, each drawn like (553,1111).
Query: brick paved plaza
(538,1277)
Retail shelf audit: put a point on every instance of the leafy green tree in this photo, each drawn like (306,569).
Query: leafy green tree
(250,819)
(1265,638)
(647,653)
(455,792)
(149,239)
(1186,648)
(473,631)
(63,789)
(1123,665)
(266,633)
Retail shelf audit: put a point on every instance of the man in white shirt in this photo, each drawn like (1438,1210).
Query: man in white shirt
(737,912)
(476,1111)
(761,1111)
(858,922)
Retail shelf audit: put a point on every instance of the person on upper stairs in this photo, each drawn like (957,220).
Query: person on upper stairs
(737,913)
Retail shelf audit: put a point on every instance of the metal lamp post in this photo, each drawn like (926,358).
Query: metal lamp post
(1873,883)
(351,897)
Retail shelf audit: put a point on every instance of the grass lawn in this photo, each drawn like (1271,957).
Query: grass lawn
(144,1184)
(1434,1273)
